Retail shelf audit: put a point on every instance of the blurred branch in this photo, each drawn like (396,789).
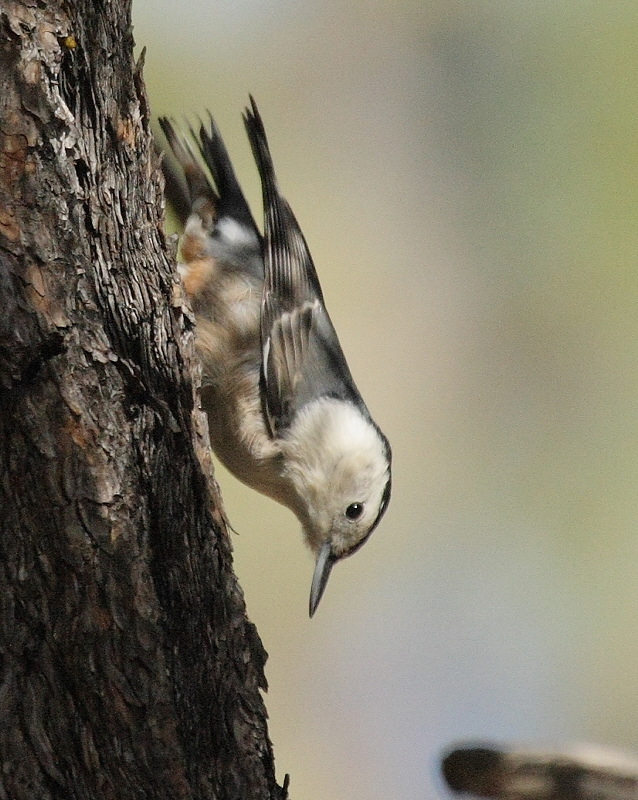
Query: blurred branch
(579,773)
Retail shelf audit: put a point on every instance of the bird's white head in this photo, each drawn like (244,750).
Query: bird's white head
(338,462)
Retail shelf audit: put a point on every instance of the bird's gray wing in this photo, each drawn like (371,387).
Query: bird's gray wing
(302,357)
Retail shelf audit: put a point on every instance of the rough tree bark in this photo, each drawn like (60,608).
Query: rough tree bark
(128,668)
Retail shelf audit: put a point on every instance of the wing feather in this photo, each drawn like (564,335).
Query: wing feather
(302,359)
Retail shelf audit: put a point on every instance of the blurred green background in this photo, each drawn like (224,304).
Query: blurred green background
(466,176)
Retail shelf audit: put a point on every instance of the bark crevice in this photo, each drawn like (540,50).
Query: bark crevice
(128,667)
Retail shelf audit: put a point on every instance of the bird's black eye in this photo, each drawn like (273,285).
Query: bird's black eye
(354,510)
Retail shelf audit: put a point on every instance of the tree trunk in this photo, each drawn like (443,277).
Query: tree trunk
(128,668)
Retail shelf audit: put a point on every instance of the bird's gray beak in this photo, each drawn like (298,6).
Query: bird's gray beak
(323,567)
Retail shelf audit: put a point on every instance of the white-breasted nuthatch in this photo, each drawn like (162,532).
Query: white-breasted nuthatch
(284,414)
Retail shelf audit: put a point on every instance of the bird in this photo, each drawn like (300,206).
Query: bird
(284,414)
(577,772)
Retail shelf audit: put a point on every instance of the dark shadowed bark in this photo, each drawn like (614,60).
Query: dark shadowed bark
(128,668)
